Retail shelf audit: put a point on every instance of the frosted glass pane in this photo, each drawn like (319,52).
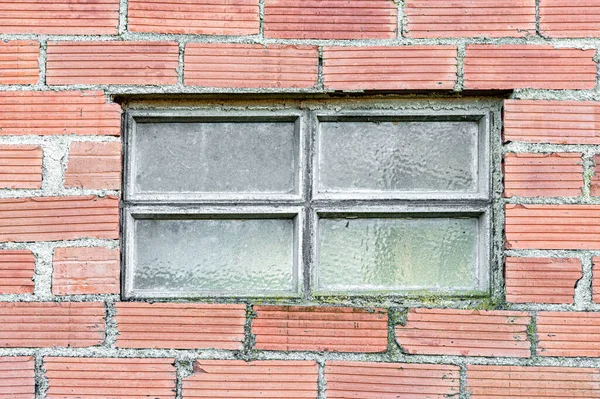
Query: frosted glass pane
(398,157)
(224,256)
(397,254)
(219,157)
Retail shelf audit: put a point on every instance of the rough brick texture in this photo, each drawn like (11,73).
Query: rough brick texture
(390,380)
(541,280)
(464,333)
(552,226)
(556,122)
(470,18)
(52,113)
(543,175)
(114,63)
(300,328)
(94,166)
(74,378)
(47,324)
(59,218)
(390,68)
(567,18)
(16,272)
(485,382)
(60,17)
(250,65)
(20,166)
(19,62)
(331,19)
(17,378)
(219,17)
(507,67)
(85,270)
(233,379)
(180,326)
(569,334)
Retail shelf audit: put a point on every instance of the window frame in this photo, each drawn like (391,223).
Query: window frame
(306,207)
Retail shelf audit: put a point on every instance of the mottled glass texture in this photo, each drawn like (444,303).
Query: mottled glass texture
(381,254)
(215,157)
(225,256)
(409,157)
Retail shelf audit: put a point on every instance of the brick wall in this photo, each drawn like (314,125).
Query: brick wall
(64,332)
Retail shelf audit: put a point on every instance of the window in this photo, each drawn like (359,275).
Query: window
(297,201)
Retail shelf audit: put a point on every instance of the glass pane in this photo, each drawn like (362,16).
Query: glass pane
(362,157)
(397,254)
(219,157)
(222,256)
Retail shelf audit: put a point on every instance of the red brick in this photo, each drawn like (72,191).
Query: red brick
(595,180)
(306,328)
(391,380)
(19,62)
(93,270)
(234,379)
(217,17)
(17,378)
(20,166)
(596,279)
(389,68)
(112,62)
(507,67)
(569,334)
(250,65)
(65,112)
(59,218)
(331,19)
(470,18)
(47,324)
(94,166)
(556,122)
(60,17)
(16,272)
(465,333)
(552,226)
(75,378)
(541,280)
(180,326)
(484,382)
(543,175)
(568,18)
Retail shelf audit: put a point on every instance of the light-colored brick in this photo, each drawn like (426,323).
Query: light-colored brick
(94,166)
(568,18)
(20,166)
(333,329)
(217,17)
(543,175)
(250,65)
(569,334)
(17,377)
(469,18)
(60,17)
(465,333)
(541,280)
(507,67)
(85,270)
(331,19)
(180,326)
(390,68)
(16,272)
(19,62)
(112,63)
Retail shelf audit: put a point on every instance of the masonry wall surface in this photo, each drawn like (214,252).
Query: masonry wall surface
(69,69)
